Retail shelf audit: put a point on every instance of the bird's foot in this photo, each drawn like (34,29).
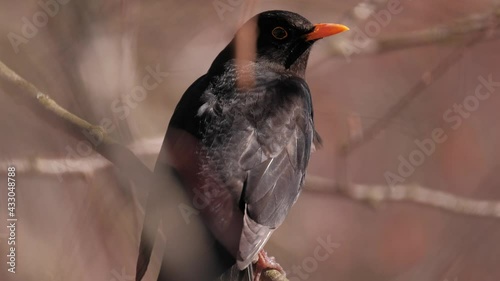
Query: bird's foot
(263,263)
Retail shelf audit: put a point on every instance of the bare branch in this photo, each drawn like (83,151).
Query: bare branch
(50,105)
(483,24)
(423,83)
(273,275)
(474,23)
(409,192)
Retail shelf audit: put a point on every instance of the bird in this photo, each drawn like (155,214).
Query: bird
(242,134)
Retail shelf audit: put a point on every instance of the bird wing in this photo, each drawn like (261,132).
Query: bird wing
(275,157)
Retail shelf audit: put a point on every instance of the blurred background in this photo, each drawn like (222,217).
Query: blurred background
(412,68)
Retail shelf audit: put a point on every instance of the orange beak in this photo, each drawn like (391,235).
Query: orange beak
(322,30)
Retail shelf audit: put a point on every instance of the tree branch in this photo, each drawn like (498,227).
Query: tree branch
(474,23)
(457,30)
(273,275)
(50,105)
(408,192)
(415,91)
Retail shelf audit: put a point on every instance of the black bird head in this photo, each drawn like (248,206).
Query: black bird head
(278,37)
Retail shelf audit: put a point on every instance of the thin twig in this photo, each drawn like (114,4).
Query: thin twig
(451,33)
(427,79)
(423,83)
(50,105)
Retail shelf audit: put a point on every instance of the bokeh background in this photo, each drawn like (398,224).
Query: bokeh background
(81,220)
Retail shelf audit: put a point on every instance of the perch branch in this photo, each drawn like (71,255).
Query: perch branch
(273,275)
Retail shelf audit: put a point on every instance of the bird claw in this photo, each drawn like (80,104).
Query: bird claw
(265,262)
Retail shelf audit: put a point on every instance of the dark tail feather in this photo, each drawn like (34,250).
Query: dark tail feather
(208,260)
(152,216)
(150,226)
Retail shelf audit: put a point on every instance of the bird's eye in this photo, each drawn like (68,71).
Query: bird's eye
(279,33)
